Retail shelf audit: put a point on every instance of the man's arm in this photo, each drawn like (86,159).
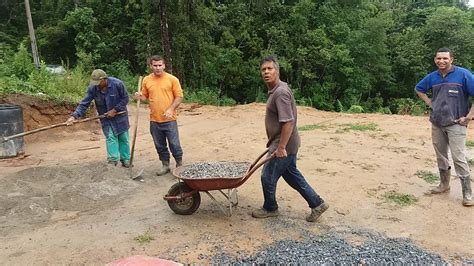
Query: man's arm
(122,104)
(81,107)
(286,130)
(469,84)
(424,97)
(176,102)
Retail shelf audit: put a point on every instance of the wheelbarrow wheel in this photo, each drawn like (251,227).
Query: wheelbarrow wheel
(185,206)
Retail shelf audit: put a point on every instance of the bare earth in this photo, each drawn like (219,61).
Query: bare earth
(62,204)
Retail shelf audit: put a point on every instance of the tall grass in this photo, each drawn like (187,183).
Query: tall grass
(18,75)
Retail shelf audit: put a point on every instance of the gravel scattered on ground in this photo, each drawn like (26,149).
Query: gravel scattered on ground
(203,170)
(332,248)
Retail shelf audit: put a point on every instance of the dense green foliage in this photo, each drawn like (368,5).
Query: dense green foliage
(337,55)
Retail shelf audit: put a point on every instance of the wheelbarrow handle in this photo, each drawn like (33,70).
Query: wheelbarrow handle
(254,166)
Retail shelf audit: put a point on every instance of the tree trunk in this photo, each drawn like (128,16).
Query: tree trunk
(165,37)
(31,30)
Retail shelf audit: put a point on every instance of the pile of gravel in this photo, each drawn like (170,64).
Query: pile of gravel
(203,170)
(330,249)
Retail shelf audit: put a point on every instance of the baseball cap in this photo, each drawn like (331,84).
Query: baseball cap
(96,76)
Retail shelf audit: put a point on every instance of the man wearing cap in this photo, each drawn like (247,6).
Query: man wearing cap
(110,97)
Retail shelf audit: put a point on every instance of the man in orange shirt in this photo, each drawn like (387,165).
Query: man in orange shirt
(164,94)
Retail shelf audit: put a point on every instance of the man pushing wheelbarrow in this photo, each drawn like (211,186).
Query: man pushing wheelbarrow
(283,143)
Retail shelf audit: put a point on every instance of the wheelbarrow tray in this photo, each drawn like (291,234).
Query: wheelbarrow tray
(211,183)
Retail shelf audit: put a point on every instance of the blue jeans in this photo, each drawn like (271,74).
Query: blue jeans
(164,134)
(286,167)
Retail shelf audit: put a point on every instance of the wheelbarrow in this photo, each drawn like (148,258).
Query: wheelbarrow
(184,197)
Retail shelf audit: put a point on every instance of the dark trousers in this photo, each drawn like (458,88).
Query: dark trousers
(164,134)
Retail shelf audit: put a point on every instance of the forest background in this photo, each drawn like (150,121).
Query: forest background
(337,55)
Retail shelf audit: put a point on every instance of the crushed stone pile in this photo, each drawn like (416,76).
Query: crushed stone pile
(34,195)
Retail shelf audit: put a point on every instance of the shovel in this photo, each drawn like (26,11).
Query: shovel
(5,139)
(138,176)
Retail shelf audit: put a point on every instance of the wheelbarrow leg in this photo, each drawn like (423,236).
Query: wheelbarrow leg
(223,209)
(234,199)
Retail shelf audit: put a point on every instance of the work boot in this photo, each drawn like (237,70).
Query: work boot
(164,169)
(466,191)
(316,212)
(262,213)
(114,163)
(179,162)
(444,176)
(125,163)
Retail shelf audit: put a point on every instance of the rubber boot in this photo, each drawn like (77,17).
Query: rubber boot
(164,169)
(179,162)
(445,176)
(466,191)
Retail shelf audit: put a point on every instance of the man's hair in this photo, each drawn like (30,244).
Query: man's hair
(155,58)
(273,59)
(445,50)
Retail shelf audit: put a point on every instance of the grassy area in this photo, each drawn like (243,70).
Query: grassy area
(470,143)
(470,162)
(144,238)
(311,127)
(428,176)
(358,127)
(400,199)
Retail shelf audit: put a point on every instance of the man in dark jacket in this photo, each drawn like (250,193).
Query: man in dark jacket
(110,97)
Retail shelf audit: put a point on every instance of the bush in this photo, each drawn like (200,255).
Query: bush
(407,106)
(261,96)
(384,110)
(356,109)
(22,64)
(339,106)
(373,104)
(208,96)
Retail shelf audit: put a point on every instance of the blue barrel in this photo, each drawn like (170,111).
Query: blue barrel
(11,123)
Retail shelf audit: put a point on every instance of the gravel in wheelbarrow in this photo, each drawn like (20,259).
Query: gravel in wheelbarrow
(205,170)
(204,176)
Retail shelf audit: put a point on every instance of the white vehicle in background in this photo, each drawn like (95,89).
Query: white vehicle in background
(56,69)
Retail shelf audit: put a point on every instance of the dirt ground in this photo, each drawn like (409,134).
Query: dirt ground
(62,204)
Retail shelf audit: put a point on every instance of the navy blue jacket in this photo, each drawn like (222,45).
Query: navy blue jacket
(116,97)
(450,99)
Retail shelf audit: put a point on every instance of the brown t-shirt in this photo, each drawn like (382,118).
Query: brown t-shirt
(281,108)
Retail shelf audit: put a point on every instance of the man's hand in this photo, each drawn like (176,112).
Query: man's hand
(168,114)
(280,153)
(70,120)
(463,121)
(111,113)
(139,96)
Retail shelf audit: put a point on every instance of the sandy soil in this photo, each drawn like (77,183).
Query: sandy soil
(61,203)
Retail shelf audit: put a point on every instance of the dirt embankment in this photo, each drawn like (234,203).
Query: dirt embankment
(38,112)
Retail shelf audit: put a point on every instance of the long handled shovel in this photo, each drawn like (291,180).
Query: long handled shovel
(138,176)
(5,139)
